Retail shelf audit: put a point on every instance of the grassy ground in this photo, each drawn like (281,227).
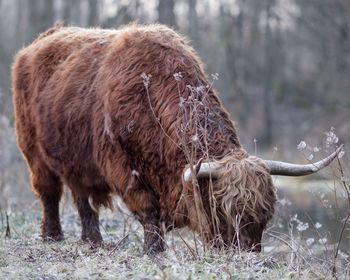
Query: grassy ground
(25,256)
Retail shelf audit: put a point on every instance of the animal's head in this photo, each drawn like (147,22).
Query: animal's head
(230,202)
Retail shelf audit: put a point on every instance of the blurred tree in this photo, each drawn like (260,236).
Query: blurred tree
(122,16)
(270,69)
(41,16)
(166,13)
(93,17)
(66,11)
(231,36)
(72,12)
(77,15)
(280,61)
(193,27)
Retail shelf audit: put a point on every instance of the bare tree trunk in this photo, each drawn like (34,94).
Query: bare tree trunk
(66,11)
(193,21)
(76,13)
(270,75)
(233,49)
(41,17)
(166,13)
(72,12)
(93,16)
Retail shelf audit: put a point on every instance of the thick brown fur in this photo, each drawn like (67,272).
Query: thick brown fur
(86,118)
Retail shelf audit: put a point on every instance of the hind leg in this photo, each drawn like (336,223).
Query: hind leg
(48,187)
(89,220)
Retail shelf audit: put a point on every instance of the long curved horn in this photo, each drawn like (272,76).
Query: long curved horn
(206,170)
(289,169)
(211,169)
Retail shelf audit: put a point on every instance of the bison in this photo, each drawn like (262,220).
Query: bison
(131,112)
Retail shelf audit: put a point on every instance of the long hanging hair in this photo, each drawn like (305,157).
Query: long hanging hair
(245,187)
(243,193)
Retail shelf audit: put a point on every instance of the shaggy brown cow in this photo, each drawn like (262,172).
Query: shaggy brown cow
(129,112)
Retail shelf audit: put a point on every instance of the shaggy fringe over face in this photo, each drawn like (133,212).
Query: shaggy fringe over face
(245,188)
(242,199)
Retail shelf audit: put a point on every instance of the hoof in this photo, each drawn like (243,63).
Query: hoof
(95,241)
(154,249)
(53,238)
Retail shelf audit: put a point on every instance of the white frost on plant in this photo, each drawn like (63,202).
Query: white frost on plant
(331,137)
(301,146)
(322,241)
(341,153)
(130,127)
(215,76)
(182,102)
(302,226)
(310,157)
(343,255)
(178,76)
(146,79)
(310,241)
(285,202)
(318,225)
(200,89)
(194,138)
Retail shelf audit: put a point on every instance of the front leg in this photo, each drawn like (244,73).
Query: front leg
(153,234)
(143,202)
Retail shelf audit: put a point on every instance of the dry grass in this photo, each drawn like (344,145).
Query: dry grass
(25,256)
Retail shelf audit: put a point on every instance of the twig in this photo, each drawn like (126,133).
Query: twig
(8,230)
(192,251)
(334,270)
(117,245)
(2,221)
(290,245)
